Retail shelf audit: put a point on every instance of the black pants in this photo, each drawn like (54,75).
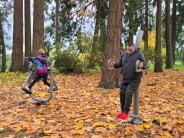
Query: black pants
(37,78)
(126,94)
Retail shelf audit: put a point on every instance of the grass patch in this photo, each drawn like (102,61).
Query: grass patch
(178,66)
(13,77)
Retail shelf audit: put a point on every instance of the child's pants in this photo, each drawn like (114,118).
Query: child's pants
(37,78)
(126,94)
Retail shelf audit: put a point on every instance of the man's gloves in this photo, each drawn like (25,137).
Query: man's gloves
(139,66)
(110,64)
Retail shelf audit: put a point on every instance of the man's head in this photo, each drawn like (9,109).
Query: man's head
(130,48)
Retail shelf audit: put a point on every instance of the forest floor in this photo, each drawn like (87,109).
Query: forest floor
(81,109)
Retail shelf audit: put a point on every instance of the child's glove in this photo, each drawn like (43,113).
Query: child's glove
(29,59)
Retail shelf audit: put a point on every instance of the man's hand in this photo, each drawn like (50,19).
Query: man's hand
(111,64)
(139,65)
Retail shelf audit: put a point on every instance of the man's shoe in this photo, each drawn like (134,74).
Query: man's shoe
(26,90)
(123,116)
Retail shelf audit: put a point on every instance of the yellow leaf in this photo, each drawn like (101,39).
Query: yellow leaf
(111,126)
(51,121)
(41,94)
(79,126)
(161,119)
(141,128)
(144,126)
(147,126)
(17,129)
(80,132)
(99,124)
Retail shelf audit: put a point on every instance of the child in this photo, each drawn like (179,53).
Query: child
(41,71)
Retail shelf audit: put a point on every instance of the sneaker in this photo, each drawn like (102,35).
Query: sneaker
(123,116)
(53,89)
(26,90)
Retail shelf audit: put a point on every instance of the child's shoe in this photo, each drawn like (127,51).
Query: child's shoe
(123,116)
(26,90)
(55,88)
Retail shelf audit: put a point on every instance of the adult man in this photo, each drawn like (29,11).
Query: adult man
(130,61)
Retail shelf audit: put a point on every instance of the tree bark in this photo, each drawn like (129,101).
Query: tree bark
(146,26)
(131,35)
(96,34)
(173,38)
(3,48)
(109,78)
(38,26)
(169,61)
(17,53)
(27,30)
(158,55)
(103,33)
(130,25)
(57,21)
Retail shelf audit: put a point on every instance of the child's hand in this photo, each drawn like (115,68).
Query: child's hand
(29,58)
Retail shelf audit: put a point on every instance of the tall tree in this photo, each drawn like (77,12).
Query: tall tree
(27,30)
(99,37)
(2,45)
(109,78)
(17,53)
(57,21)
(169,60)
(173,38)
(38,26)
(63,21)
(134,17)
(146,25)
(96,32)
(158,54)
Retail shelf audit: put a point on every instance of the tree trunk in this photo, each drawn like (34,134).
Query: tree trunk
(131,22)
(169,61)
(38,26)
(103,33)
(3,48)
(95,36)
(131,35)
(57,21)
(17,53)
(173,38)
(109,78)
(27,30)
(158,55)
(146,26)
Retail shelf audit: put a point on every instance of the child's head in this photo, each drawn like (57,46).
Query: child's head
(41,51)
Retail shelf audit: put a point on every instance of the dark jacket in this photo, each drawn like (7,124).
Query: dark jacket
(127,62)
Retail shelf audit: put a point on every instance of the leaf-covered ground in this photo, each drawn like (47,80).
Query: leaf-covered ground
(81,109)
